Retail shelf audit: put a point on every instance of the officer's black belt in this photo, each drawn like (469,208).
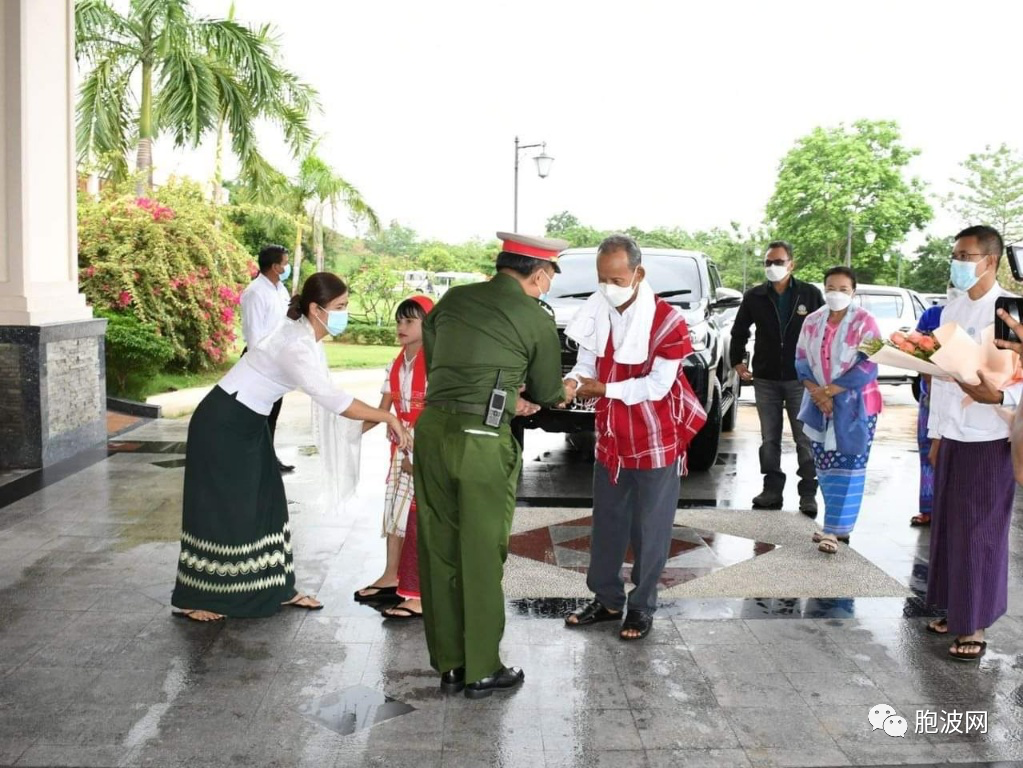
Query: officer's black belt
(457,406)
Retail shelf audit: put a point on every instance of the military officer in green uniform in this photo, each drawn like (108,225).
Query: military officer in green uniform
(480,341)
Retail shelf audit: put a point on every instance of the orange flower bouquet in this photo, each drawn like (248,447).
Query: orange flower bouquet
(918,345)
(951,353)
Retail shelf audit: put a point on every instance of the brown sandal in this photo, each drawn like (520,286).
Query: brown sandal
(938,627)
(816,538)
(956,654)
(296,602)
(829,544)
(191,615)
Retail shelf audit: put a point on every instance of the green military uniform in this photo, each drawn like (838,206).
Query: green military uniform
(465,472)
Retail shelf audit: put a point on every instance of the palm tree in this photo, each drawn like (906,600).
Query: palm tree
(195,76)
(316,189)
(304,200)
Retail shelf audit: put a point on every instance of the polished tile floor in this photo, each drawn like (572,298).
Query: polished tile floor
(95,672)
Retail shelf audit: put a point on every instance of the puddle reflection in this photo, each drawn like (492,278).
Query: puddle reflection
(354,709)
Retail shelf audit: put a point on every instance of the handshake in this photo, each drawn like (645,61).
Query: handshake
(584,388)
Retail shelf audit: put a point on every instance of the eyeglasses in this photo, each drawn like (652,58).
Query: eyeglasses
(966,255)
(775,262)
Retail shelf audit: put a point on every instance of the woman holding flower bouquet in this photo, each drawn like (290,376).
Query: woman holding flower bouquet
(841,402)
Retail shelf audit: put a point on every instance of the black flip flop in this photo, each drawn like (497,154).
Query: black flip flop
(407,616)
(917,521)
(382,594)
(593,612)
(967,644)
(940,623)
(639,621)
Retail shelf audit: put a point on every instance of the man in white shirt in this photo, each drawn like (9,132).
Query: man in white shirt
(631,347)
(970,451)
(264,306)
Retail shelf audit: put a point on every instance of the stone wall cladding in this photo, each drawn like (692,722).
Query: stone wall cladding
(13,380)
(73,387)
(52,392)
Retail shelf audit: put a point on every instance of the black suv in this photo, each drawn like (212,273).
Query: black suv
(686,279)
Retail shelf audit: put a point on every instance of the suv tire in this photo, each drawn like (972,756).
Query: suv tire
(703,451)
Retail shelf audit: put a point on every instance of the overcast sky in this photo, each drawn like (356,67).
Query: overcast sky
(657,113)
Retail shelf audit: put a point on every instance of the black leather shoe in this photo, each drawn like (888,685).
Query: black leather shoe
(503,679)
(453,680)
(286,469)
(808,506)
(767,500)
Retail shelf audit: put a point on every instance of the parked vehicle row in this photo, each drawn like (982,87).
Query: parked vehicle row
(690,281)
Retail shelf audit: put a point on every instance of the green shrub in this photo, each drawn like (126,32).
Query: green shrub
(369,334)
(169,260)
(135,352)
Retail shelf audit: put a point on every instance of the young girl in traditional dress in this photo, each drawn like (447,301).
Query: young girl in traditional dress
(404,389)
(236,551)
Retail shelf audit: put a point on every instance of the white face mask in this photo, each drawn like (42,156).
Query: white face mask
(837,301)
(776,272)
(617,295)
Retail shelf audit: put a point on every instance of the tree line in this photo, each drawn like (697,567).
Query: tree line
(158,69)
(844,190)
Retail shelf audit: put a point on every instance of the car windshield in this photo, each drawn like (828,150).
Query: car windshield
(678,276)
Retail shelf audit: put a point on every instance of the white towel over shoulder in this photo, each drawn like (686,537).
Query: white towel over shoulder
(591,326)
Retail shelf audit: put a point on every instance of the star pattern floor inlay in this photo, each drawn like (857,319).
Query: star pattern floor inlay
(692,553)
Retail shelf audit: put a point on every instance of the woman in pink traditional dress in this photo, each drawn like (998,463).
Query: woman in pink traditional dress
(841,402)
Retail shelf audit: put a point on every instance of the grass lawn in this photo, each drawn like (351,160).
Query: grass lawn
(349,356)
(339,357)
(173,381)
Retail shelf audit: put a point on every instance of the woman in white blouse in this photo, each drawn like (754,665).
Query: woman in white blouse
(236,551)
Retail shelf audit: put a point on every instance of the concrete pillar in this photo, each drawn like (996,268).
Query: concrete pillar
(52,389)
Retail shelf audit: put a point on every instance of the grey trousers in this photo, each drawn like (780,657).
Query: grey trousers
(774,400)
(639,510)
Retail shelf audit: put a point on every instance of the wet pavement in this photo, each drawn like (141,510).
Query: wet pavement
(754,666)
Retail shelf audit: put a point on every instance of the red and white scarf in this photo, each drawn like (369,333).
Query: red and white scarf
(651,434)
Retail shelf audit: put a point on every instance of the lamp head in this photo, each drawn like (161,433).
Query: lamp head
(543,162)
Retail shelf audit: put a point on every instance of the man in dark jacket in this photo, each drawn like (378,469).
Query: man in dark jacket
(777,308)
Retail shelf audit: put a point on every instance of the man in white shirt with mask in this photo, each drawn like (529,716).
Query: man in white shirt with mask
(264,306)
(970,451)
(631,347)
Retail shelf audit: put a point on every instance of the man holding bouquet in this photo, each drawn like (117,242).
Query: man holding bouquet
(973,493)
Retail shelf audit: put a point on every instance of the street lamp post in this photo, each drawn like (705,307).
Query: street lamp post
(869,236)
(543,167)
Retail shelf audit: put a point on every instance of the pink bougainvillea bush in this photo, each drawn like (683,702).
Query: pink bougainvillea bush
(170,261)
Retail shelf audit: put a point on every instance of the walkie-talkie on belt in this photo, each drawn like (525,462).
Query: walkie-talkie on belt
(495,408)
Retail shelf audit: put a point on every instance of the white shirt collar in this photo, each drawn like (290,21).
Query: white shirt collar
(993,293)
